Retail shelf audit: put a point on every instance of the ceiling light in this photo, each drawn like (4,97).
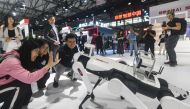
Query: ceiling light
(56,12)
(14,13)
(129,3)
(24,5)
(37,22)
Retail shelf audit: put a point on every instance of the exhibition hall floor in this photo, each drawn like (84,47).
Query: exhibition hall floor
(70,94)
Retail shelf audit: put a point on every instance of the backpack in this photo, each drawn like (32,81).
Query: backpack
(2,58)
(183,29)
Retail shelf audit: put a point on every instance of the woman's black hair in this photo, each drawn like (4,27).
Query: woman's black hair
(41,42)
(6,21)
(25,51)
(120,33)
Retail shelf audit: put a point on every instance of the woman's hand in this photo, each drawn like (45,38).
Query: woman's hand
(18,38)
(50,63)
(7,39)
(57,59)
(56,43)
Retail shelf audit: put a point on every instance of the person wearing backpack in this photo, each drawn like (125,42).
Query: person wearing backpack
(17,74)
(174,29)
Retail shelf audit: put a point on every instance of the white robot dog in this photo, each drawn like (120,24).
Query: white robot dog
(125,81)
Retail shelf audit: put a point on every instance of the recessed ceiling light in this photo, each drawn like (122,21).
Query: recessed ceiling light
(14,13)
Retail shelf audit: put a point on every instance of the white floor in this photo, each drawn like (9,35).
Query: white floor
(69,94)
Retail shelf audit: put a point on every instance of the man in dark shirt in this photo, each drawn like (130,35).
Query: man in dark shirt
(173,30)
(66,54)
(149,39)
(99,44)
(81,41)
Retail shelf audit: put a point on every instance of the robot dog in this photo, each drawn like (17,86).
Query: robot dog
(125,80)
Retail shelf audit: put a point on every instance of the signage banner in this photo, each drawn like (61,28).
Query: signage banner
(24,21)
(177,6)
(126,15)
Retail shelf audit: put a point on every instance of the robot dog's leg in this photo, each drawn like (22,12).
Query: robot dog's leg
(181,93)
(90,94)
(118,88)
(79,68)
(168,99)
(168,102)
(99,80)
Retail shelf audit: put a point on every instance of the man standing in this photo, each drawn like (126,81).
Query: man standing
(79,41)
(99,44)
(51,35)
(132,37)
(82,40)
(173,30)
(149,39)
(114,43)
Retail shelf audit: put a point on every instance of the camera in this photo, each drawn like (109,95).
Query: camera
(164,24)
